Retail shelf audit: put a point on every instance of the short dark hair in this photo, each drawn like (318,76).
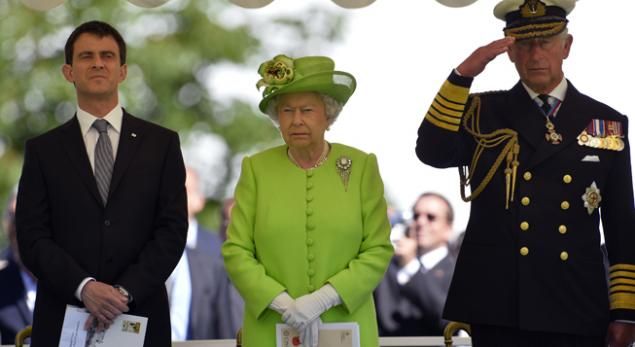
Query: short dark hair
(97,28)
(450,210)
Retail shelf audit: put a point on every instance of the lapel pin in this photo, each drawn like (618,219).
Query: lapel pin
(133,135)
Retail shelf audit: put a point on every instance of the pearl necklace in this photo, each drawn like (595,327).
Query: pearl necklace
(320,161)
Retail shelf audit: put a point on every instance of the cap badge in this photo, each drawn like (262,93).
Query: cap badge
(533,8)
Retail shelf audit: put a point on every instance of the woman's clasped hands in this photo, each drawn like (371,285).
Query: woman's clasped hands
(303,313)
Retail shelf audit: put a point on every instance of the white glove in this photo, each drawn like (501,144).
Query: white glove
(281,303)
(309,336)
(308,307)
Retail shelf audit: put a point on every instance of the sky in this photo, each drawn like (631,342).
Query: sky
(401,51)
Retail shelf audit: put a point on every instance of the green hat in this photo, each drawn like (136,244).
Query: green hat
(283,75)
(528,19)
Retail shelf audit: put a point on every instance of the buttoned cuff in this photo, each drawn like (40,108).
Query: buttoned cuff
(405,273)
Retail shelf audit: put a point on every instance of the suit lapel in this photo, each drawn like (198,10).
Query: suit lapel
(570,121)
(76,149)
(129,140)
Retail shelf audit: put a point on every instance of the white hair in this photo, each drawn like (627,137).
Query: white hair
(332,108)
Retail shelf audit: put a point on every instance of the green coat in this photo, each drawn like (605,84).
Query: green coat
(296,230)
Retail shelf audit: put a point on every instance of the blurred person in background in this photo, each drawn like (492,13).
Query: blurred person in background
(18,286)
(410,298)
(198,286)
(308,240)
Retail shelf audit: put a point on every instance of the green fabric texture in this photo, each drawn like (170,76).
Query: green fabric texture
(297,230)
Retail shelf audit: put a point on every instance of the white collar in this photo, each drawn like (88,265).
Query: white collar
(114,118)
(558,92)
(432,258)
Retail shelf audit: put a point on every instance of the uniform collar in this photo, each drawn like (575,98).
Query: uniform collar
(558,92)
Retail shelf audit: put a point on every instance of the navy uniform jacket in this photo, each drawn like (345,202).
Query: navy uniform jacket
(538,265)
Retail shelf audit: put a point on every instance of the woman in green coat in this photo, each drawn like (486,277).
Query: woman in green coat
(308,240)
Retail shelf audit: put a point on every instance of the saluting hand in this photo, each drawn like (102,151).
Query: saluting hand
(104,303)
(478,60)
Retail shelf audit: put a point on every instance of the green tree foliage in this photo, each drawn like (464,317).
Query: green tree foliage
(172,50)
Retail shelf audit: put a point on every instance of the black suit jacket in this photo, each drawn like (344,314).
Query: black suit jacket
(213,312)
(14,313)
(414,309)
(65,233)
(538,265)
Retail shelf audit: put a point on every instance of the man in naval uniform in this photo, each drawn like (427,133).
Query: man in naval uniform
(542,161)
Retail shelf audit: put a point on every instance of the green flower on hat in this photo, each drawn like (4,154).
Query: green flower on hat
(275,72)
(283,75)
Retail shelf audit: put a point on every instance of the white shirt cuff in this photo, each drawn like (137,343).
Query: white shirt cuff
(78,292)
(405,273)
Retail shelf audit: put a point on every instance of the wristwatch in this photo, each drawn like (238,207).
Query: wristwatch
(123,292)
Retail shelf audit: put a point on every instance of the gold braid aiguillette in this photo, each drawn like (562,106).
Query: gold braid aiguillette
(343,165)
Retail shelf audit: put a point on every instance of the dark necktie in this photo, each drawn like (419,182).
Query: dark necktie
(546,105)
(103,159)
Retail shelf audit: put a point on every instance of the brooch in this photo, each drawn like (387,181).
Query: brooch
(343,165)
(592,198)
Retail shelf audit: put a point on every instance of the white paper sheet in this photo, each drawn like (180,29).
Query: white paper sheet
(330,335)
(126,330)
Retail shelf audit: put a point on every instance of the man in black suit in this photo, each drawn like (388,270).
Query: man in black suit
(198,288)
(410,298)
(101,209)
(18,289)
(544,160)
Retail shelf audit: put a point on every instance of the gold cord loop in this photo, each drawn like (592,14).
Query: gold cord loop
(509,153)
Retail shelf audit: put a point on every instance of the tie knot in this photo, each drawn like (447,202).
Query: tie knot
(545,98)
(101,125)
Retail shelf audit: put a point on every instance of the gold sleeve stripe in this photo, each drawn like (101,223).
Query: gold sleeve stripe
(454,93)
(441,109)
(449,104)
(622,288)
(626,274)
(447,108)
(622,301)
(440,116)
(440,124)
(625,267)
(622,280)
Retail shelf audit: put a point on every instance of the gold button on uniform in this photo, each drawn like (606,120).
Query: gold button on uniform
(564,256)
(525,201)
(524,226)
(564,205)
(562,229)
(567,179)
(527,176)
(524,251)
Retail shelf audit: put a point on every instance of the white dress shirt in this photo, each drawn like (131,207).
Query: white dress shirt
(90,136)
(425,262)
